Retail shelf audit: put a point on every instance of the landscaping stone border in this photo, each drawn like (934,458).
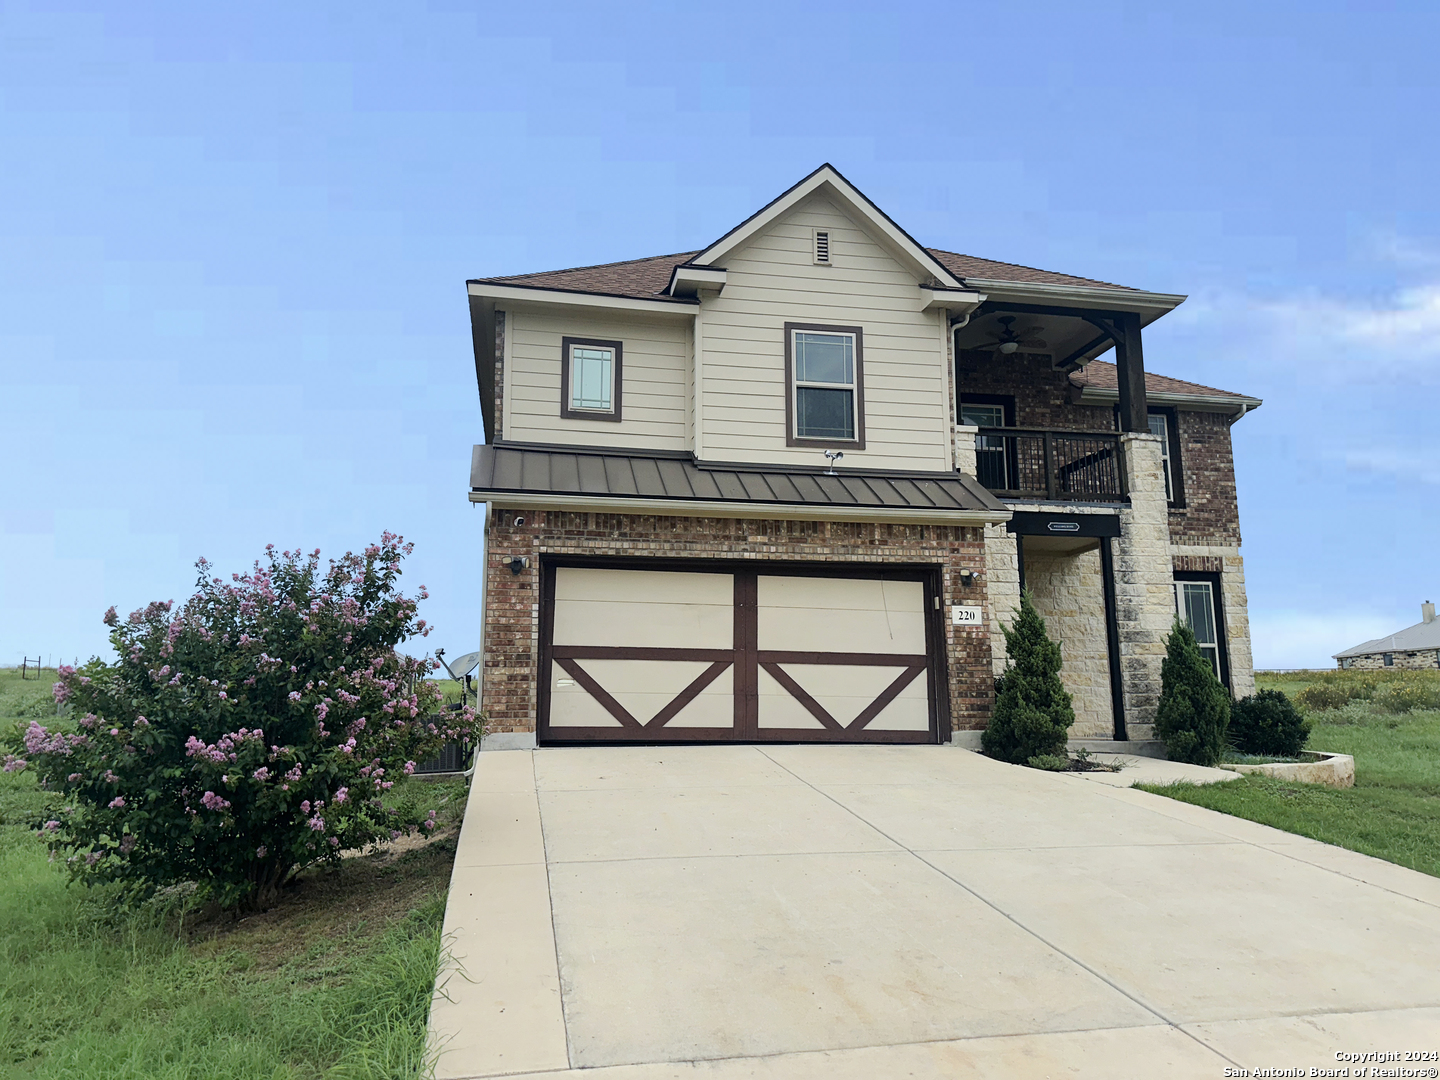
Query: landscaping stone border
(1332,770)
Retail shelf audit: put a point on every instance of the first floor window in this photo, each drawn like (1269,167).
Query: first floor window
(1389,659)
(1195,604)
(590,380)
(826,399)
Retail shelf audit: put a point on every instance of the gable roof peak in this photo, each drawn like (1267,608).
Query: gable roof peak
(829,179)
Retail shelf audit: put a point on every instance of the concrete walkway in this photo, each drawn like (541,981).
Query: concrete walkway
(837,912)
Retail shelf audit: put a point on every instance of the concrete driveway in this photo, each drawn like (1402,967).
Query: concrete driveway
(868,911)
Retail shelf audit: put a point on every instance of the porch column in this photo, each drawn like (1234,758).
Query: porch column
(1130,360)
(965,448)
(1144,582)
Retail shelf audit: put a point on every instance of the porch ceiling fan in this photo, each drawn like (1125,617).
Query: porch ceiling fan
(1011,340)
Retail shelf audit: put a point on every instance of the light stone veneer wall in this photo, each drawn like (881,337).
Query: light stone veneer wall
(1069,594)
(1144,581)
(1002,571)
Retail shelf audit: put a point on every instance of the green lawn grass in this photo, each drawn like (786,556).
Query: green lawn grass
(333,982)
(1392,812)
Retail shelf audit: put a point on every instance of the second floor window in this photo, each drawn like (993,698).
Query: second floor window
(826,396)
(1159,426)
(590,379)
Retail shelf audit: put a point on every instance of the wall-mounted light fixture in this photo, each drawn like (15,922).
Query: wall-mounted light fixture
(517,563)
(968,577)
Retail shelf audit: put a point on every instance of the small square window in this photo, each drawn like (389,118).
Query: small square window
(590,379)
(826,397)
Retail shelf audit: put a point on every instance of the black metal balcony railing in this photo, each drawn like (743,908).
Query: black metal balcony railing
(1037,463)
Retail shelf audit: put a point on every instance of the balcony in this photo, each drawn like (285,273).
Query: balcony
(1043,464)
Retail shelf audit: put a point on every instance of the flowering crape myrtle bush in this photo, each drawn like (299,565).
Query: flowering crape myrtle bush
(251,734)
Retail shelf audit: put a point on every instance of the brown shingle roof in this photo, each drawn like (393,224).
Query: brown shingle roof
(968,266)
(1099,375)
(646,279)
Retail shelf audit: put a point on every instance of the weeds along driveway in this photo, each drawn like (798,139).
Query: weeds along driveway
(838,911)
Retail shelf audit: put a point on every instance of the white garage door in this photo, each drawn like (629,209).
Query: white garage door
(663,656)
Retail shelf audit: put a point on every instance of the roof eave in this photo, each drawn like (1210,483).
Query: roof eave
(1149,305)
(776,511)
(535,294)
(1092,395)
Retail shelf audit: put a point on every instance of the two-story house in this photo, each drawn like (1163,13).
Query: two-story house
(788,487)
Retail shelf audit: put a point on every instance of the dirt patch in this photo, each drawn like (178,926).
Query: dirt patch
(324,907)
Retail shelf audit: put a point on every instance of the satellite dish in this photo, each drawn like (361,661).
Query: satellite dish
(461,666)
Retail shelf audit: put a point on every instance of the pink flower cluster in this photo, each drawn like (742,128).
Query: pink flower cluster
(40,741)
(224,749)
(211,801)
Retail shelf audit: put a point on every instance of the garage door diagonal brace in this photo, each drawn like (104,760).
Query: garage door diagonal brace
(622,714)
(689,694)
(598,692)
(889,694)
(813,707)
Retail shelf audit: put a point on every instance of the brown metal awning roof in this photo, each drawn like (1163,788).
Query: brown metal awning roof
(585,478)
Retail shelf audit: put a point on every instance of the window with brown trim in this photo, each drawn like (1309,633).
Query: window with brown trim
(590,379)
(824,386)
(1199,602)
(1165,422)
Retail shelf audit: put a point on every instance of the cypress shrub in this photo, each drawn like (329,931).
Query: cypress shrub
(1194,708)
(1268,723)
(1033,713)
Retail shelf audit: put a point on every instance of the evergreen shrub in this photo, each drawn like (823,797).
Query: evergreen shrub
(1194,708)
(1033,710)
(1267,723)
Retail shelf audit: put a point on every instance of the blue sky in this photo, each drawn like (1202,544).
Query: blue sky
(234,241)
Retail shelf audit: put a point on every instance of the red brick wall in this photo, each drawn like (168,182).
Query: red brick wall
(1211,514)
(512,642)
(1042,394)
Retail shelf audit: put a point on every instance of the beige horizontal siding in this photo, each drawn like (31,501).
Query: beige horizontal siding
(771,281)
(655,356)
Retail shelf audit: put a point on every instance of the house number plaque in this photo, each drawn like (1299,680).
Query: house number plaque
(965,615)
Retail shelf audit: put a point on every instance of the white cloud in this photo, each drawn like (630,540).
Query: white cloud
(1293,639)
(1403,251)
(1398,334)
(1413,465)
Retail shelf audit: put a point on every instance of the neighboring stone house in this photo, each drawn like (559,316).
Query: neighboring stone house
(1414,647)
(788,488)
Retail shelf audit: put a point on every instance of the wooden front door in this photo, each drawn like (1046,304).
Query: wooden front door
(737,655)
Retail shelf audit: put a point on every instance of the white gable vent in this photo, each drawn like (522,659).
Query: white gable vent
(822,245)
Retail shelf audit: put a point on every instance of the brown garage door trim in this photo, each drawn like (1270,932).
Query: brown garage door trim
(747,660)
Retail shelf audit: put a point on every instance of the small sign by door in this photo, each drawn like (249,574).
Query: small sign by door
(965,615)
